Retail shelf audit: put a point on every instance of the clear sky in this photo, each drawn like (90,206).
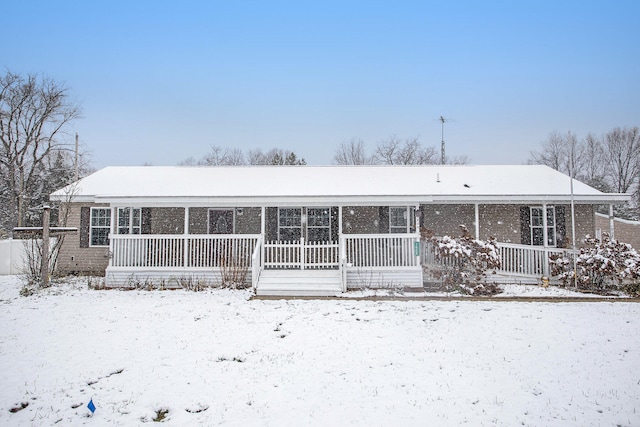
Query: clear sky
(162,81)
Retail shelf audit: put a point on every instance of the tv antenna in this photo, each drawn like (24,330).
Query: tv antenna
(442,121)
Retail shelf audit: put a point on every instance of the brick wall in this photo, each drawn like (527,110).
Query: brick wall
(73,259)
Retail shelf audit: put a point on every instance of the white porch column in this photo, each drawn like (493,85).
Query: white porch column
(112,231)
(545,237)
(611,223)
(545,232)
(186,238)
(263,232)
(341,249)
(477,218)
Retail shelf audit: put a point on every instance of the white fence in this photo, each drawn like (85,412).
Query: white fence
(13,254)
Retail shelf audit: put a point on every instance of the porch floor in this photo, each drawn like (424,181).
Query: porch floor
(299,282)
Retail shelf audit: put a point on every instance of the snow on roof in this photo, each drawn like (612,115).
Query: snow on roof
(359,184)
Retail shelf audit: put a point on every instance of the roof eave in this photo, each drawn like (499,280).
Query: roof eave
(344,200)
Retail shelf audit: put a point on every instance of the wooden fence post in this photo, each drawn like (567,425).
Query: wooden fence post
(44,268)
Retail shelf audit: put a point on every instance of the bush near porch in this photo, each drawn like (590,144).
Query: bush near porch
(464,262)
(602,267)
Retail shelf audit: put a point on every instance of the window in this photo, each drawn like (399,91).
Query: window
(221,221)
(398,220)
(289,224)
(100,226)
(537,226)
(318,225)
(129,220)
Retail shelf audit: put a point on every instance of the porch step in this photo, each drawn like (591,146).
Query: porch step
(299,283)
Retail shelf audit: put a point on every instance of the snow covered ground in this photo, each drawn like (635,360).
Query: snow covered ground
(216,358)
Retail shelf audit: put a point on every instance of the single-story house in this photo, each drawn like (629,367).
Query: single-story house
(314,230)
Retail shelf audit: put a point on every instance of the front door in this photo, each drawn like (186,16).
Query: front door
(304,240)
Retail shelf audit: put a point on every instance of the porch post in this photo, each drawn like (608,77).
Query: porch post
(611,223)
(186,238)
(340,266)
(263,219)
(477,217)
(545,237)
(112,231)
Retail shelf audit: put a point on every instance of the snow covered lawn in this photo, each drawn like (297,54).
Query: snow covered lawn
(215,358)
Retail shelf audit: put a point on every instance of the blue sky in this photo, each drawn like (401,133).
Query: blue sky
(162,81)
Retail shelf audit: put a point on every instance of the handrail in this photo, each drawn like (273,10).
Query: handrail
(256,264)
(515,259)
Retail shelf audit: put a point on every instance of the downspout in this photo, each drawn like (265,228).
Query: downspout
(477,219)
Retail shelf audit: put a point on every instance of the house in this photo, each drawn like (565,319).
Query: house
(313,230)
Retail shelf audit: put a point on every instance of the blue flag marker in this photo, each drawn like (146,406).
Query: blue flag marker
(91,406)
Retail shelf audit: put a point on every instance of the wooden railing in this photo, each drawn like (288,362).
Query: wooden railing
(517,260)
(169,250)
(526,260)
(380,250)
(300,254)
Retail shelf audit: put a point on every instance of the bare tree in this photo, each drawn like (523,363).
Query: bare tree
(396,151)
(457,160)
(386,151)
(34,113)
(352,153)
(562,152)
(553,153)
(622,156)
(593,171)
(219,156)
(275,156)
(610,164)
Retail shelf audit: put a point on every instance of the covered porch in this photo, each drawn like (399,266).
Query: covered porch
(296,250)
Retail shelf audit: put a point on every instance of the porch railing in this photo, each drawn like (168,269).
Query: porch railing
(175,251)
(380,250)
(526,260)
(301,255)
(517,260)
